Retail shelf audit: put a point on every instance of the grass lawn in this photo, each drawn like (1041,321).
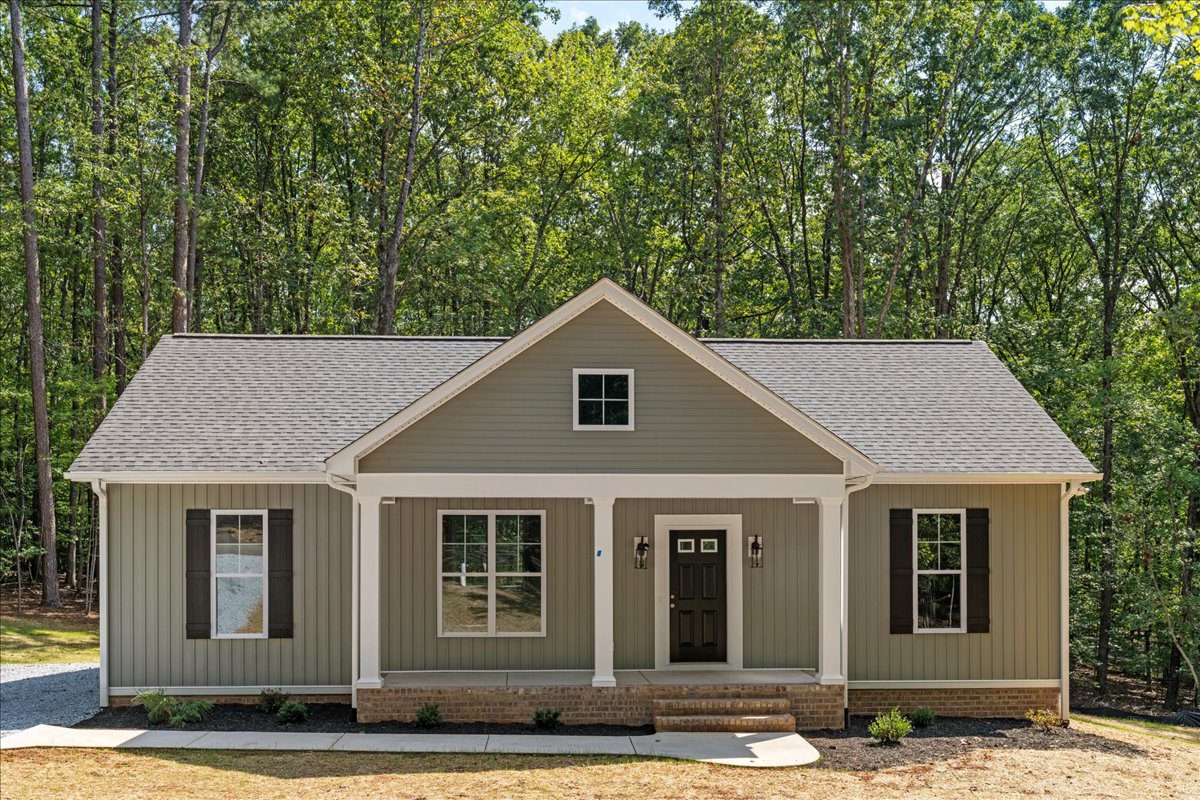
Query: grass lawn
(1151,766)
(41,639)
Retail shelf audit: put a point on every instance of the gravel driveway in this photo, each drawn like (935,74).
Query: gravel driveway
(51,694)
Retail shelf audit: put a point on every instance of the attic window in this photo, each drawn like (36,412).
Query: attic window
(603,399)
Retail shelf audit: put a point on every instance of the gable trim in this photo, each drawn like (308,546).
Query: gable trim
(345,461)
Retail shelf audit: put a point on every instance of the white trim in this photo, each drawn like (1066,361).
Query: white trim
(491,574)
(1069,490)
(628,485)
(214,576)
(961,572)
(603,605)
(102,513)
(1032,683)
(984,477)
(345,460)
(214,476)
(369,595)
(575,424)
(831,582)
(734,601)
(129,691)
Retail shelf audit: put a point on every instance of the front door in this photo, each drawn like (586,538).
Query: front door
(697,596)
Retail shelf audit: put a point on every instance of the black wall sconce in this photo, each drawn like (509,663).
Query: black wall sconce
(755,551)
(641,549)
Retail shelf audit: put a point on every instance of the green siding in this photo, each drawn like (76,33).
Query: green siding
(519,417)
(146,570)
(1024,539)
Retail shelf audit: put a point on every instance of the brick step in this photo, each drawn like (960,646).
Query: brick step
(692,706)
(726,723)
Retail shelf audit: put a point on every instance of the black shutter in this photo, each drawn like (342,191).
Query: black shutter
(280,622)
(900,590)
(979,612)
(198,584)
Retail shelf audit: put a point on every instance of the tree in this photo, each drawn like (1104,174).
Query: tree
(183,125)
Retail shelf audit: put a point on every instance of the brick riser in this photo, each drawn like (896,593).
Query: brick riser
(727,723)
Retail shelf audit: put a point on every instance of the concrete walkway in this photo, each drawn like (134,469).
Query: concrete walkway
(732,749)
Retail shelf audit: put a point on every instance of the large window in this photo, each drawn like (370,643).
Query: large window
(490,577)
(603,399)
(938,576)
(239,574)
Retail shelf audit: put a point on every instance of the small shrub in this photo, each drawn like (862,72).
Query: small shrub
(546,718)
(1045,720)
(923,717)
(188,711)
(271,700)
(164,709)
(889,728)
(429,716)
(292,711)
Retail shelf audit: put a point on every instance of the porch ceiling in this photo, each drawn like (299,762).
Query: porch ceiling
(626,677)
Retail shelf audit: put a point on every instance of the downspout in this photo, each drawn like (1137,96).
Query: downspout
(859,484)
(1069,490)
(351,489)
(101,490)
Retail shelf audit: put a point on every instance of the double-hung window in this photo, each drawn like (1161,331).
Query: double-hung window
(490,574)
(939,578)
(603,399)
(239,574)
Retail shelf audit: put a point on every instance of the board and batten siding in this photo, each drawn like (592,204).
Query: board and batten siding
(409,623)
(1023,642)
(519,418)
(146,625)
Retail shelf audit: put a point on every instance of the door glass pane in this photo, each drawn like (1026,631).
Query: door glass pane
(464,605)
(239,605)
(938,601)
(518,605)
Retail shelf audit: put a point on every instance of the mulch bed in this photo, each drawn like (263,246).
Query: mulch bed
(338,718)
(947,739)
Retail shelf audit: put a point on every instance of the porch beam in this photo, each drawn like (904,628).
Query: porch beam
(394,484)
(831,579)
(602,533)
(369,594)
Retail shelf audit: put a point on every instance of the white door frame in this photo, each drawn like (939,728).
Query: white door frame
(732,525)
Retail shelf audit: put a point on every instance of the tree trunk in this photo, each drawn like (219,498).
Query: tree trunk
(99,222)
(115,265)
(718,168)
(183,124)
(33,301)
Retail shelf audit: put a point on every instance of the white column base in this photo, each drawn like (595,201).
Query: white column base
(601,680)
(369,683)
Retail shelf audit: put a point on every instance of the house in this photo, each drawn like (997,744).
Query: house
(601,514)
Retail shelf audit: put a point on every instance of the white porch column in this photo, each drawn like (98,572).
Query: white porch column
(602,531)
(831,578)
(368,595)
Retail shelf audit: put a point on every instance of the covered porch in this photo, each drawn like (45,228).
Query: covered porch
(582,677)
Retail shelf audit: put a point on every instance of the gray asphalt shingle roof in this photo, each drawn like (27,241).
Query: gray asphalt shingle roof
(283,403)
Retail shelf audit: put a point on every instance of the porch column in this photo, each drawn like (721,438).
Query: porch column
(602,532)
(368,595)
(831,577)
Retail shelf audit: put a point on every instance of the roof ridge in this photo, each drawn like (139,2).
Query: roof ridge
(348,336)
(745,340)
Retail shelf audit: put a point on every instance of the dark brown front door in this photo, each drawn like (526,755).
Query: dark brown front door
(697,596)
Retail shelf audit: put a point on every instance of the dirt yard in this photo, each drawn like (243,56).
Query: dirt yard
(1129,763)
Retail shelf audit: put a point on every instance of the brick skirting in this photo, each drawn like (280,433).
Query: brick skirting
(813,706)
(243,699)
(1007,702)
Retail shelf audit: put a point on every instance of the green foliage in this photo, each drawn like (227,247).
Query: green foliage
(165,709)
(292,711)
(546,718)
(1045,720)
(922,717)
(889,728)
(271,700)
(429,716)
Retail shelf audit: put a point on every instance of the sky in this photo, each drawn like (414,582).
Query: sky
(610,12)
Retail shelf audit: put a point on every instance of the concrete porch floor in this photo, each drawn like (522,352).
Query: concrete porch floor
(583,677)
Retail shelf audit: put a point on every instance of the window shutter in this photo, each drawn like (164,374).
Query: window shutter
(900,533)
(280,621)
(198,583)
(979,613)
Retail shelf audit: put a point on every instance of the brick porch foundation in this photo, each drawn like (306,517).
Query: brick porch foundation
(1012,702)
(813,706)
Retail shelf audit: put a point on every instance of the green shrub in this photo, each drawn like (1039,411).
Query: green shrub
(292,711)
(164,709)
(271,700)
(1045,720)
(429,716)
(889,728)
(923,717)
(546,718)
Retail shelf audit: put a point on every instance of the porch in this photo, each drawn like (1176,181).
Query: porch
(583,677)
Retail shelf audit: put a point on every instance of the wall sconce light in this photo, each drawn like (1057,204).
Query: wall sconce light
(641,548)
(755,551)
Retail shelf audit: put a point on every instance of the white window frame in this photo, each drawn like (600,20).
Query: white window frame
(213,574)
(961,571)
(492,574)
(575,373)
